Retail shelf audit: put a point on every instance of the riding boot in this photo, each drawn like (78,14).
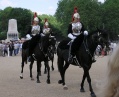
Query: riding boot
(34,56)
(29,59)
(70,59)
(29,55)
(71,54)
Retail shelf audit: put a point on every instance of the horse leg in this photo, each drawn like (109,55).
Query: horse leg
(38,71)
(52,63)
(90,86)
(82,83)
(48,74)
(63,75)
(22,66)
(30,67)
(60,63)
(45,70)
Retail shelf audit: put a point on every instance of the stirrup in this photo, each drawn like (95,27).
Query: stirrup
(34,57)
(29,59)
(70,59)
(76,61)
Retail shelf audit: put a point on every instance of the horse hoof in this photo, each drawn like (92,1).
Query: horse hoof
(93,95)
(32,79)
(40,74)
(38,81)
(45,72)
(82,90)
(52,69)
(60,81)
(21,77)
(48,81)
(65,87)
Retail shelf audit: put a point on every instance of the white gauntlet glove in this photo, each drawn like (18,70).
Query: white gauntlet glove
(28,37)
(85,33)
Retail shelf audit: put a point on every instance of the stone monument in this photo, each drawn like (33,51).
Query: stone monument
(12,33)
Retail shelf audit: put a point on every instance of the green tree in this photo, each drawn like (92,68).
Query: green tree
(53,23)
(110,17)
(88,10)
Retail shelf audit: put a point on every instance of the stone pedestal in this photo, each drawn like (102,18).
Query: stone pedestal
(12,33)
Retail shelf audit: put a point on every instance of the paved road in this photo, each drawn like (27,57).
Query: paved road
(12,86)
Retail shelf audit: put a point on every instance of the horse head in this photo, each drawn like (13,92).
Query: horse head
(100,37)
(52,47)
(45,42)
(103,38)
(52,40)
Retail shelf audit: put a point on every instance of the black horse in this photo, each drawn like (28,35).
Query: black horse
(84,55)
(40,53)
(51,52)
(24,56)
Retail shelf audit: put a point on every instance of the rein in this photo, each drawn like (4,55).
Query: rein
(41,48)
(86,47)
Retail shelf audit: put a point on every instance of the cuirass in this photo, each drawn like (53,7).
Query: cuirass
(77,26)
(35,30)
(46,30)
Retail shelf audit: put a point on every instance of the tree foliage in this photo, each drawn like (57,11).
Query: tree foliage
(24,19)
(93,14)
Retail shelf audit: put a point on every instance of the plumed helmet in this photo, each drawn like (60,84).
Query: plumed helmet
(75,14)
(46,22)
(36,19)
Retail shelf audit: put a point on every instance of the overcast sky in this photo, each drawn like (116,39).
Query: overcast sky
(40,6)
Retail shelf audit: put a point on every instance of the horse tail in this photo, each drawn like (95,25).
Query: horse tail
(60,61)
(24,55)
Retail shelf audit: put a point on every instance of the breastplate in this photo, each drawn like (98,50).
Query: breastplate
(46,31)
(35,30)
(77,26)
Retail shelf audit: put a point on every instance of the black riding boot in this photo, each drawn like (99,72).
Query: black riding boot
(29,55)
(29,58)
(70,59)
(71,53)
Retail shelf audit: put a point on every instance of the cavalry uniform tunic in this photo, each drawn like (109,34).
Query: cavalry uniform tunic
(34,30)
(47,31)
(74,30)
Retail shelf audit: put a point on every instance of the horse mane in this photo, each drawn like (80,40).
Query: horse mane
(112,86)
(103,31)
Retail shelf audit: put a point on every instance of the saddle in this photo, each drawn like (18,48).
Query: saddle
(66,45)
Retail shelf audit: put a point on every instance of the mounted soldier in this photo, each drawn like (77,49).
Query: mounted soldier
(75,29)
(33,35)
(47,30)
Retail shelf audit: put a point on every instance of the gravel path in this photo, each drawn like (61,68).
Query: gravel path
(12,86)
